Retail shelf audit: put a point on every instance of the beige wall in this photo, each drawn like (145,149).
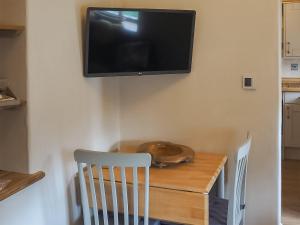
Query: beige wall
(65,111)
(206,108)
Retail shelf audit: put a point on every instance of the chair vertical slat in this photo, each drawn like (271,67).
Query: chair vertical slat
(236,209)
(244,182)
(125,198)
(243,174)
(135,196)
(243,194)
(237,187)
(94,200)
(114,195)
(103,196)
(240,183)
(146,205)
(84,196)
(238,176)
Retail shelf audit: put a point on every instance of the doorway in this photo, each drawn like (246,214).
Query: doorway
(290,73)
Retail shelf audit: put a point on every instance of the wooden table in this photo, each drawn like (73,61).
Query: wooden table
(178,194)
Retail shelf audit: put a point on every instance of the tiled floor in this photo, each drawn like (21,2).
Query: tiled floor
(291,192)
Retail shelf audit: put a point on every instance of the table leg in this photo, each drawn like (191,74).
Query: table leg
(221,184)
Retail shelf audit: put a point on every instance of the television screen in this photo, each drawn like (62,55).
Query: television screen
(138,41)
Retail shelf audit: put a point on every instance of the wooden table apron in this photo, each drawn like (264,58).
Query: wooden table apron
(178,194)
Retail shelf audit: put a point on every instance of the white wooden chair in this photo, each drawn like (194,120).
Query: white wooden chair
(112,160)
(232,211)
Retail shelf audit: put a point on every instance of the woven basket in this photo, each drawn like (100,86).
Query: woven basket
(167,153)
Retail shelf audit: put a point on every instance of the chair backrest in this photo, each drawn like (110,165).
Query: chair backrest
(236,210)
(110,161)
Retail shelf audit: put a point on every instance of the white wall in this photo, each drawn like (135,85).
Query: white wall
(206,108)
(65,111)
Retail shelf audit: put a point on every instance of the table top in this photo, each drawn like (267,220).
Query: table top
(197,176)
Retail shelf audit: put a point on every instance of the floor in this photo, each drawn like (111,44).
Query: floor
(291,192)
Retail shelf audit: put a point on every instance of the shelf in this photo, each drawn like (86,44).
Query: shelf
(13,182)
(8,30)
(12,104)
(11,101)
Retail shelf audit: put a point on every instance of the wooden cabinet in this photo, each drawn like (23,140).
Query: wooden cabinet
(291,30)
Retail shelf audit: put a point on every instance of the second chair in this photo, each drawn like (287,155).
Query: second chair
(232,211)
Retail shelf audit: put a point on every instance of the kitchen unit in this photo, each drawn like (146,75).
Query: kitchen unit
(291,30)
(291,118)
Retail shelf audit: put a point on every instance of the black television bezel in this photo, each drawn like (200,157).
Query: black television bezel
(138,73)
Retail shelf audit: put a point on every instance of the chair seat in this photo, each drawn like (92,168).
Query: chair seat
(218,211)
(121,219)
(151,222)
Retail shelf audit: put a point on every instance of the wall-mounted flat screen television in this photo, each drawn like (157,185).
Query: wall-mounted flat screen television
(138,41)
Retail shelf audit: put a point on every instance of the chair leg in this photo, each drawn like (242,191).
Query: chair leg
(243,219)
(221,184)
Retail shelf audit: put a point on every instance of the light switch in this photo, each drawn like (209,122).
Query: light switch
(248,82)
